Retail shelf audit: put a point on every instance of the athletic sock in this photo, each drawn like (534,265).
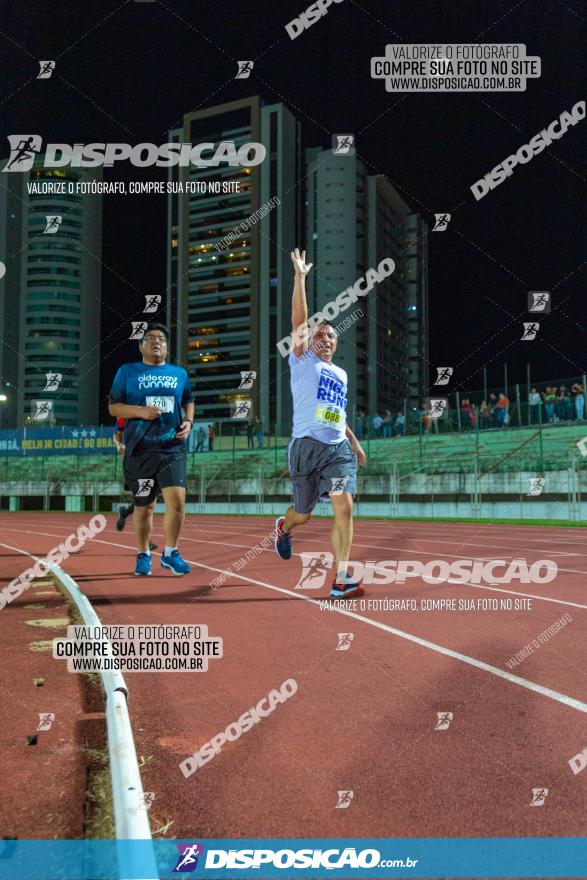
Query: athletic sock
(147,551)
(343,577)
(168,550)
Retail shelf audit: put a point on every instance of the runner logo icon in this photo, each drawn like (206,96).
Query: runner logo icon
(344,800)
(443,720)
(144,489)
(437,407)
(539,795)
(241,409)
(152,302)
(138,329)
(52,381)
(531,329)
(53,223)
(23,149)
(441,222)
(344,641)
(338,485)
(146,799)
(244,69)
(188,855)
(247,379)
(42,410)
(539,301)
(46,719)
(314,569)
(536,486)
(444,374)
(343,143)
(46,68)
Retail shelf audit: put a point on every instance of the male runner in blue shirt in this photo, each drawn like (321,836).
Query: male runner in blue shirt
(152,395)
(323,452)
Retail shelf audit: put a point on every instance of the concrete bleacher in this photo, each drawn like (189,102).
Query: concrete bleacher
(504,451)
(106,469)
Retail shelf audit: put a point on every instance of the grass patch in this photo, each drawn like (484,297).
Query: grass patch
(513,522)
(98,805)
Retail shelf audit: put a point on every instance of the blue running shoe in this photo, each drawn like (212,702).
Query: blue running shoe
(175,563)
(143,564)
(282,539)
(346,591)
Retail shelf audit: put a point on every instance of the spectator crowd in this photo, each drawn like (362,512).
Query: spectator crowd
(557,404)
(549,405)
(386,425)
(552,404)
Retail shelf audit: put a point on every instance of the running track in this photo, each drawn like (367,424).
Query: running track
(362,719)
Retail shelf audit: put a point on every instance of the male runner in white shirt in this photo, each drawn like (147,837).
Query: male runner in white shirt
(323,452)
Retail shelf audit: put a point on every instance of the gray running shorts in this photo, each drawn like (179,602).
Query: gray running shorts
(318,469)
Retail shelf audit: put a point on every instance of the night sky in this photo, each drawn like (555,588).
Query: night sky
(128,71)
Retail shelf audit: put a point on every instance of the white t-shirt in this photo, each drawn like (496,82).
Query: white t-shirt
(319,391)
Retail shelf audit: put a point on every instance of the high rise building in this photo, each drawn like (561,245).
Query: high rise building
(50,296)
(388,325)
(417,275)
(337,246)
(11,210)
(229,269)
(353,222)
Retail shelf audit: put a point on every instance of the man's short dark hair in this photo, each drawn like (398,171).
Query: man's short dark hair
(325,323)
(155,325)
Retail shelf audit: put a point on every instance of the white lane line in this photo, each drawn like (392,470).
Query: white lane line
(404,550)
(490,588)
(545,532)
(213,522)
(375,527)
(516,593)
(424,643)
(408,547)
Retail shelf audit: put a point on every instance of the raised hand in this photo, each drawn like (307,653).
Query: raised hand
(300,265)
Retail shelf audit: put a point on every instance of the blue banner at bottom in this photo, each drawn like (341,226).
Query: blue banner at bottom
(225,859)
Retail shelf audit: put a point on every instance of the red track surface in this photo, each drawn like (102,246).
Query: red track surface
(362,719)
(46,779)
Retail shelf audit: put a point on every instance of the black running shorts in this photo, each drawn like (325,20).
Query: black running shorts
(146,474)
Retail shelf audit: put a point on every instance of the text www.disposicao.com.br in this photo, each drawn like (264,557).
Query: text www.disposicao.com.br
(135,664)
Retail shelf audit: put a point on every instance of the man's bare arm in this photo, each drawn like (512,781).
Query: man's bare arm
(127,411)
(299,305)
(187,422)
(356,446)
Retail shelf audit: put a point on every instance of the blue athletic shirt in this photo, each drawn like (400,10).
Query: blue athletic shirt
(166,386)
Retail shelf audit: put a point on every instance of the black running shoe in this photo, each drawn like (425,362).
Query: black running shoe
(122,515)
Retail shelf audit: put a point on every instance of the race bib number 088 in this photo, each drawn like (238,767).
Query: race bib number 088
(166,404)
(329,415)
